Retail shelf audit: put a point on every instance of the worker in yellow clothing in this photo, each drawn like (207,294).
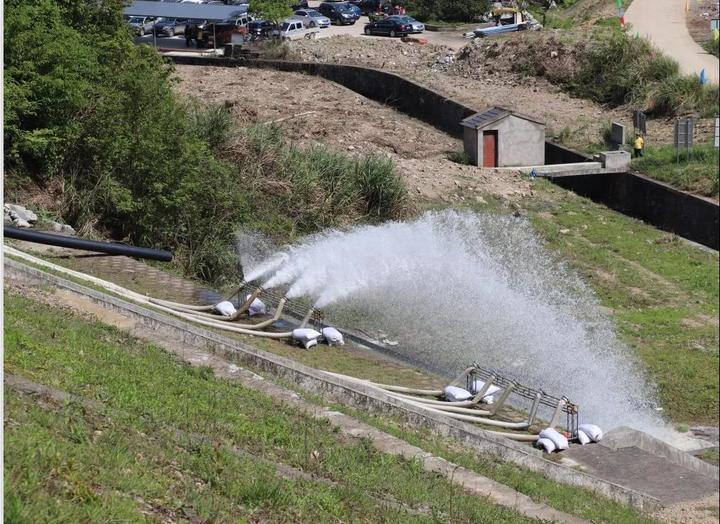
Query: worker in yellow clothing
(639,145)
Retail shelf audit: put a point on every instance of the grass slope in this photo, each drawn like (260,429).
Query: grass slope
(129,460)
(131,457)
(662,292)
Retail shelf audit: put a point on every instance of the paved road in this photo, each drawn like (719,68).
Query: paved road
(663,23)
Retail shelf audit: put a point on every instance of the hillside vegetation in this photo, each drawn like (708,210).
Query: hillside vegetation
(604,64)
(93,116)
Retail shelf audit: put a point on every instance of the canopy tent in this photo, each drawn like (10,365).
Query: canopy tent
(210,12)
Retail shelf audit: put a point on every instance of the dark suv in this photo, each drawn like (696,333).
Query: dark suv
(338,13)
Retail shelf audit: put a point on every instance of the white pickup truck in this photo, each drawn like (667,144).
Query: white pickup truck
(295,30)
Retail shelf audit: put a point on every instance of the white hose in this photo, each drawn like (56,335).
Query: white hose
(131,295)
(218,318)
(448,411)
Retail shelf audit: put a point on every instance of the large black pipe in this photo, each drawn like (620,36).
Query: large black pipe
(87,245)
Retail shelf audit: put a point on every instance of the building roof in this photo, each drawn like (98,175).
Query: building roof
(492,115)
(181,10)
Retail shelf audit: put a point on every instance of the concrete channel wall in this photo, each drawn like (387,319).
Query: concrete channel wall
(337,389)
(656,203)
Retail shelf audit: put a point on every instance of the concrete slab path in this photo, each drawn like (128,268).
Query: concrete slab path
(663,23)
(644,472)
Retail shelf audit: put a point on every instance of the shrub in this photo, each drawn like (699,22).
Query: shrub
(448,10)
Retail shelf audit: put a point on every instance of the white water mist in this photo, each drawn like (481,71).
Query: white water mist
(456,288)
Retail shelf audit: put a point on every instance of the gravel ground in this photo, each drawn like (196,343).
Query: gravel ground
(477,83)
(322,112)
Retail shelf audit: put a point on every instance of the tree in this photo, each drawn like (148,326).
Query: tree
(272,10)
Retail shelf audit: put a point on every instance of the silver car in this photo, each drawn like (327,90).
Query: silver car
(311,18)
(141,24)
(417,27)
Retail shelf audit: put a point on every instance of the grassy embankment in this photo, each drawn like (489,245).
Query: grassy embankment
(165,439)
(695,170)
(661,292)
(134,454)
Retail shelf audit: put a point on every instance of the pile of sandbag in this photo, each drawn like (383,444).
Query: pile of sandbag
(552,440)
(309,337)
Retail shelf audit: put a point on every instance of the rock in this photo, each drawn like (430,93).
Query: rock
(21,212)
(480,200)
(20,222)
(564,231)
(63,228)
(351,148)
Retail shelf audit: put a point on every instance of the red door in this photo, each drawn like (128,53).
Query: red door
(490,152)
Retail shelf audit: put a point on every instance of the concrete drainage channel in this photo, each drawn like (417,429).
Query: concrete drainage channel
(358,396)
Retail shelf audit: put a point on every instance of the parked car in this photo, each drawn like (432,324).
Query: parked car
(388,26)
(312,18)
(338,12)
(141,24)
(417,27)
(169,26)
(295,30)
(261,28)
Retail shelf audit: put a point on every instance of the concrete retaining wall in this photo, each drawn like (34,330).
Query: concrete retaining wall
(337,389)
(656,203)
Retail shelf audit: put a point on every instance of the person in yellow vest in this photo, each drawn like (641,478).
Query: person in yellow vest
(639,145)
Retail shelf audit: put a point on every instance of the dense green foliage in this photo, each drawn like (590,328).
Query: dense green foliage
(618,68)
(447,10)
(712,47)
(275,10)
(610,66)
(86,106)
(315,188)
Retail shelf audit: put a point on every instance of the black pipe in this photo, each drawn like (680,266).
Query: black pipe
(87,245)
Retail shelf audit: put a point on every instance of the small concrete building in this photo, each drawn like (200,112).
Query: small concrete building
(499,137)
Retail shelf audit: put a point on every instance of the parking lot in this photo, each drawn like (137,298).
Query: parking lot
(454,40)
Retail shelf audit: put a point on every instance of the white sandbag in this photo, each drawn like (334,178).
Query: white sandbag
(583,438)
(332,336)
(305,335)
(592,431)
(547,444)
(310,343)
(257,307)
(455,394)
(225,308)
(477,385)
(559,440)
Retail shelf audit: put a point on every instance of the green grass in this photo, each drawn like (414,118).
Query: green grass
(712,47)
(712,456)
(565,498)
(662,292)
(67,463)
(695,170)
